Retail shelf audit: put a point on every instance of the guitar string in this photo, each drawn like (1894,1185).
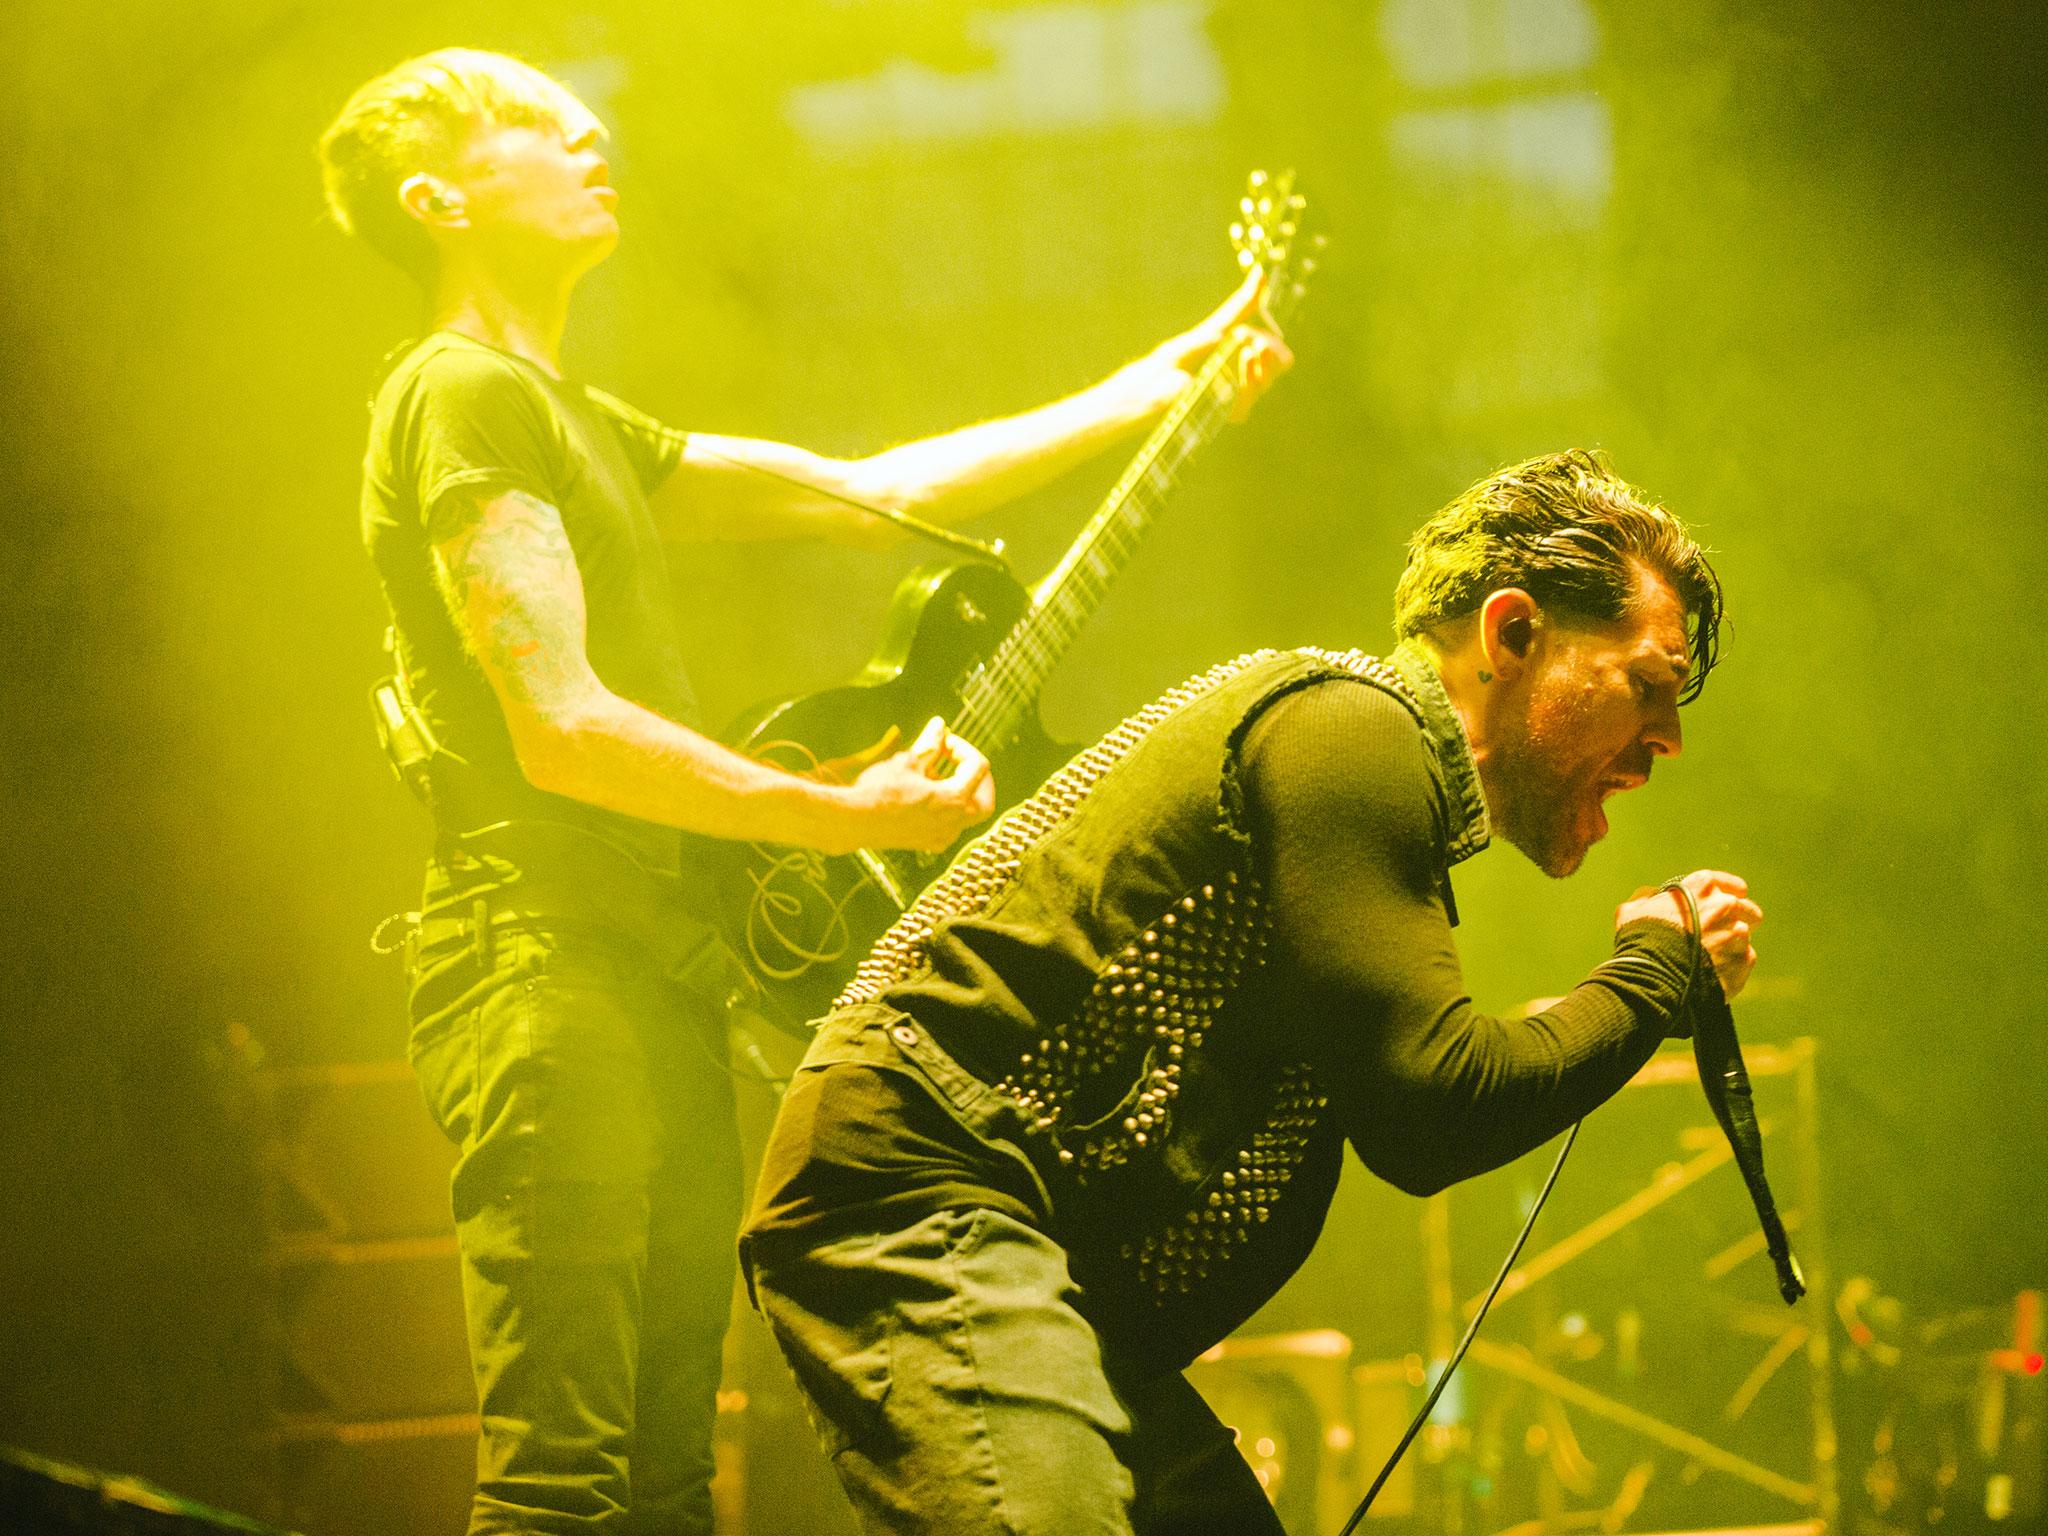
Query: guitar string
(1027,656)
(1029,653)
(1026,650)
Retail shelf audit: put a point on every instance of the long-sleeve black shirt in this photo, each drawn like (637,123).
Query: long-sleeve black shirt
(1430,1089)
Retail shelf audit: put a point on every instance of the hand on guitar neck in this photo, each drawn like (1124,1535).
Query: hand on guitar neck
(924,797)
(1240,324)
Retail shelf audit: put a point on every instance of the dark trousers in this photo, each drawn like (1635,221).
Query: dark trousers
(959,1393)
(951,1374)
(595,1199)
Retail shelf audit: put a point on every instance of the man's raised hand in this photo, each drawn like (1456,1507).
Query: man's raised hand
(1240,320)
(1727,919)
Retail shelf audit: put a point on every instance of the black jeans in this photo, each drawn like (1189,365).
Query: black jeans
(951,1375)
(597,1191)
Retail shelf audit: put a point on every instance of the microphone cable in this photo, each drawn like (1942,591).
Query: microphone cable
(1471,1332)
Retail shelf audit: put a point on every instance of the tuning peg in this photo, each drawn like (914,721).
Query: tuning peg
(1245,259)
(1257,179)
(1237,232)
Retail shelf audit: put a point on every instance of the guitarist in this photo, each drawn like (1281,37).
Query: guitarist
(565,1031)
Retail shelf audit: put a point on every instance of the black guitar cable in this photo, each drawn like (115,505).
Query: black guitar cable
(1507,1266)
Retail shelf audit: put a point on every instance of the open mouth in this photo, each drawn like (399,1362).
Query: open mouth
(1602,792)
(1620,783)
(1605,788)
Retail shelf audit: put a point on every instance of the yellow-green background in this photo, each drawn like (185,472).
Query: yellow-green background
(1784,260)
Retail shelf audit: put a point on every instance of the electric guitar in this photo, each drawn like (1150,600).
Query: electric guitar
(966,640)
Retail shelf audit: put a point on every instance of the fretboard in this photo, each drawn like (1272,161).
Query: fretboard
(999,698)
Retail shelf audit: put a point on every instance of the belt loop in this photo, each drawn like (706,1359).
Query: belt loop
(480,933)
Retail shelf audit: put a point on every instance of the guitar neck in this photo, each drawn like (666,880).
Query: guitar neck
(1003,694)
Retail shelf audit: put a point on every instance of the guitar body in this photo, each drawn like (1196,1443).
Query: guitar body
(803,920)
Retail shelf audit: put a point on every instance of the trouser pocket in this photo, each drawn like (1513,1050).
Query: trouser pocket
(837,1309)
(467,1004)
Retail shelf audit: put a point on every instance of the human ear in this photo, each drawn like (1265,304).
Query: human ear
(1508,623)
(431,200)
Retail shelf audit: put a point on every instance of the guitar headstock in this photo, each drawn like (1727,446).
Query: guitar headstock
(1268,235)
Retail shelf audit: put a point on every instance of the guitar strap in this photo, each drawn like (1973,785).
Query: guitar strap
(991,550)
(1718,1053)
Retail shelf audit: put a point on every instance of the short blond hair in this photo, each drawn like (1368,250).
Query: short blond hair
(414,118)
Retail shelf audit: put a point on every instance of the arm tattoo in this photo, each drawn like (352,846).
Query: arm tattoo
(510,580)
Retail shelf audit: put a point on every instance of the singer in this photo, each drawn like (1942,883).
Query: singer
(567,1026)
(1083,1109)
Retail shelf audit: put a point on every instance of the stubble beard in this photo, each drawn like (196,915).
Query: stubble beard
(1536,807)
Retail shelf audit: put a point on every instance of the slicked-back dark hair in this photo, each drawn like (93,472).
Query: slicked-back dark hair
(1568,531)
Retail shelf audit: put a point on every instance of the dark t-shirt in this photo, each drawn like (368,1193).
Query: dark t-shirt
(456,420)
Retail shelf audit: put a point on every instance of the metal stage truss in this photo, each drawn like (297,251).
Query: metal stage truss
(1510,1448)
